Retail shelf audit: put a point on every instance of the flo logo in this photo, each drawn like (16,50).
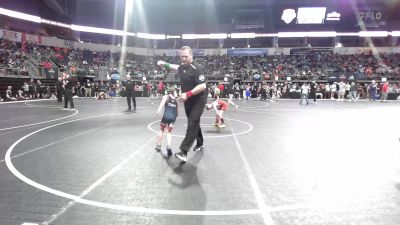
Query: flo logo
(288,15)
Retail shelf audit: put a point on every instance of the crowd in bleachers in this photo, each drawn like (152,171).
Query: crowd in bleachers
(12,58)
(318,66)
(324,66)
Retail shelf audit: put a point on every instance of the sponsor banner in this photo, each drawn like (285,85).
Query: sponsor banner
(365,50)
(69,44)
(11,35)
(168,52)
(102,73)
(175,52)
(51,73)
(371,17)
(395,41)
(306,51)
(35,39)
(198,52)
(247,52)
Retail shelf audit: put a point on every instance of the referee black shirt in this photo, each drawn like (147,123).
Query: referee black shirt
(192,75)
(69,83)
(129,85)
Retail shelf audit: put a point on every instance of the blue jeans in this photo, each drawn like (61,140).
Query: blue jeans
(303,96)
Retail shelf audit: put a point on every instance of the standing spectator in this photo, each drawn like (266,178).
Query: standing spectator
(149,89)
(32,89)
(25,88)
(221,88)
(248,92)
(39,89)
(313,91)
(334,89)
(160,89)
(88,89)
(353,92)
(385,91)
(342,91)
(96,89)
(372,90)
(304,93)
(103,90)
(59,89)
(130,93)
(78,88)
(327,91)
(68,91)
(237,91)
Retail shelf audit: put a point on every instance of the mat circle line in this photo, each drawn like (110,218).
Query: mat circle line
(47,121)
(78,199)
(205,136)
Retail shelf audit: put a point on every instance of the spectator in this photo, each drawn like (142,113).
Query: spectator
(9,96)
(385,91)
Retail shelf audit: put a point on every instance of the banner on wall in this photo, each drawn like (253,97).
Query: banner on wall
(69,44)
(102,75)
(11,35)
(306,51)
(51,73)
(35,39)
(371,16)
(247,52)
(175,52)
(198,52)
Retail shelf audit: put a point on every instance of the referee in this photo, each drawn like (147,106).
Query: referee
(68,84)
(194,96)
(130,93)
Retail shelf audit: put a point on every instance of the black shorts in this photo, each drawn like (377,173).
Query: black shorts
(167,121)
(169,124)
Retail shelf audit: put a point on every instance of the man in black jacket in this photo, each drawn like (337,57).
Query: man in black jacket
(59,89)
(313,90)
(130,92)
(68,85)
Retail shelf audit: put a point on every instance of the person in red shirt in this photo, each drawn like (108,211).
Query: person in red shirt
(160,89)
(220,107)
(385,91)
(221,87)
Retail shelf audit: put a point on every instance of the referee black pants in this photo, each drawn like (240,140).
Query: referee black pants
(68,98)
(194,109)
(130,97)
(59,95)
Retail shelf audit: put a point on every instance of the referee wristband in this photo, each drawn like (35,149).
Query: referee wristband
(167,65)
(189,94)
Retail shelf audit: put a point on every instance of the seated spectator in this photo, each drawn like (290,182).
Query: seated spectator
(9,96)
(102,95)
(20,95)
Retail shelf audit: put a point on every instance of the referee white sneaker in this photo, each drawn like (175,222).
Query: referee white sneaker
(182,156)
(198,148)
